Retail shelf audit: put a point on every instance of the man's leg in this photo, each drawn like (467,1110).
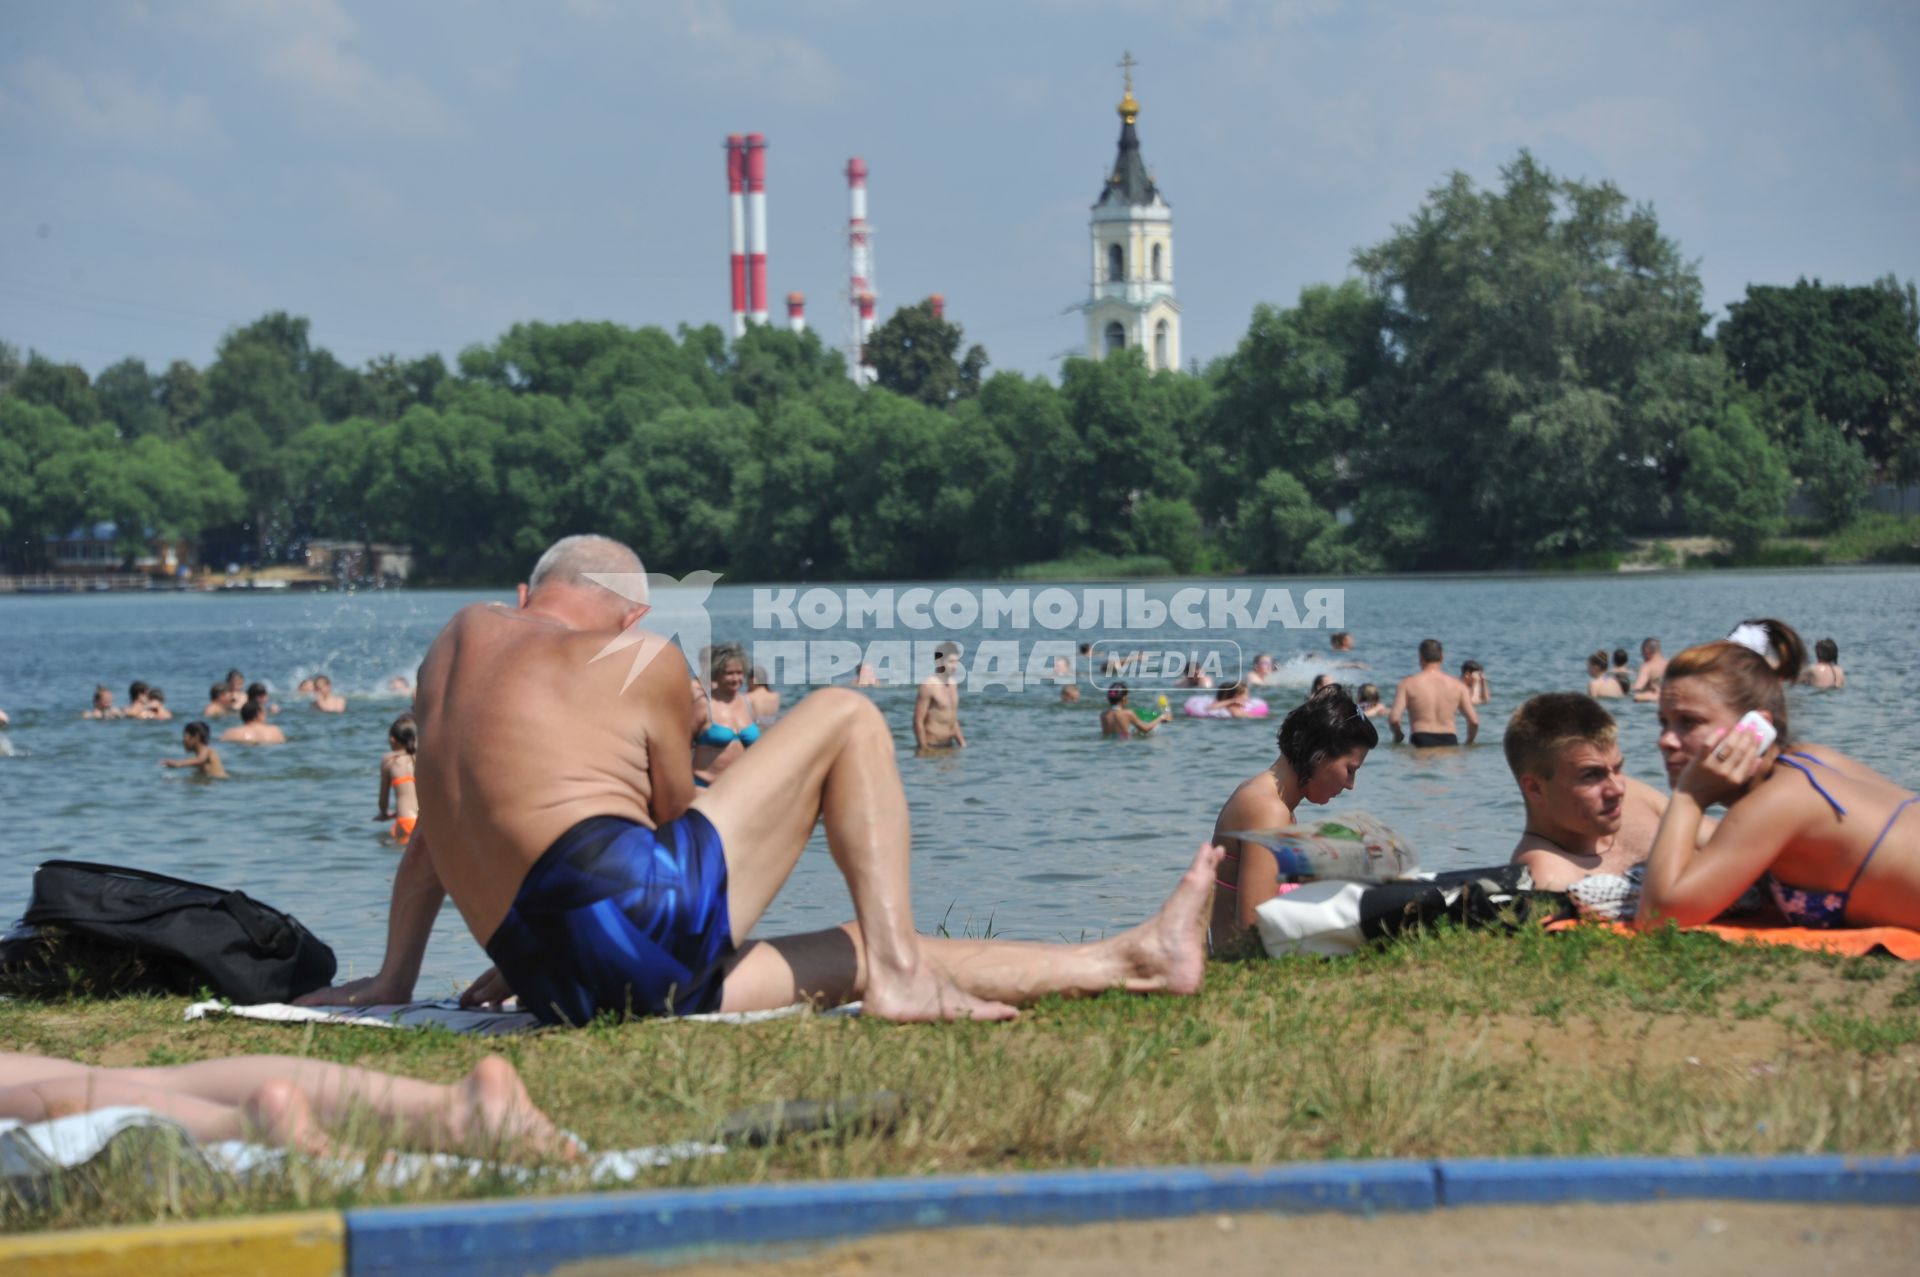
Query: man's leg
(832,757)
(1165,954)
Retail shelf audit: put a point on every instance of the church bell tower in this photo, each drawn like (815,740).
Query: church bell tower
(1131,302)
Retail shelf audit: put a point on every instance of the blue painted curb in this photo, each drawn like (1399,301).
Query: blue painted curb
(536,1235)
(1865,1181)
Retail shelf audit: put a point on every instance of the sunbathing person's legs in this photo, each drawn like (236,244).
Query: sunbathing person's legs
(832,758)
(1165,954)
(51,1097)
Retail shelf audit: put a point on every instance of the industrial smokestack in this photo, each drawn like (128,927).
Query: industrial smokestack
(939,304)
(797,312)
(757,227)
(859,271)
(737,213)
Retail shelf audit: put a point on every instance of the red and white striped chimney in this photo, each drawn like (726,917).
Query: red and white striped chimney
(737,213)
(859,270)
(797,312)
(939,305)
(757,227)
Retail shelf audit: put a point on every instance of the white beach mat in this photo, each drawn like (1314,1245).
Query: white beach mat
(450,1015)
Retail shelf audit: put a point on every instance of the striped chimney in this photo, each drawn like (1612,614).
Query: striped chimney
(797,312)
(939,305)
(737,212)
(757,227)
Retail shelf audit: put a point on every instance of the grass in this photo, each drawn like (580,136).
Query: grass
(1455,1043)
(1092,567)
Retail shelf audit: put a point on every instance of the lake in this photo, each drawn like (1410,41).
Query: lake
(1039,830)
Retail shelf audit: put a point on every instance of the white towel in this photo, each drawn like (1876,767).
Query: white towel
(452,1016)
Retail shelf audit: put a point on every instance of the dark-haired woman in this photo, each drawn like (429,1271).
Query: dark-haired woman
(1836,843)
(1825,672)
(1322,745)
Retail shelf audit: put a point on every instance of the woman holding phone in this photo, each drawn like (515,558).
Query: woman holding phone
(1836,843)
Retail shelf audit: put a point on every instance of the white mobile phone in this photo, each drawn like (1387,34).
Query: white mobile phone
(1757,723)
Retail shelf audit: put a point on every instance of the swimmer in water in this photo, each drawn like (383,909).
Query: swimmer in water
(1825,672)
(1431,699)
(1620,671)
(236,690)
(1601,684)
(1653,667)
(157,706)
(1474,675)
(865,677)
(305,688)
(257,694)
(103,706)
(254,729)
(1320,681)
(760,694)
(1368,699)
(1122,720)
(216,706)
(936,710)
(1262,672)
(324,699)
(136,700)
(396,778)
(202,756)
(1070,694)
(1322,746)
(399,683)
(730,728)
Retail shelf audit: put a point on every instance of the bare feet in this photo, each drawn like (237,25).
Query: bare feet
(927,993)
(1168,952)
(496,1115)
(282,1113)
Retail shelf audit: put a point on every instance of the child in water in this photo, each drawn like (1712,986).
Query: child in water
(196,740)
(396,778)
(1369,700)
(157,706)
(1474,675)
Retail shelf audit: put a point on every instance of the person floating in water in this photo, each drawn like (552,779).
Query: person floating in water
(236,690)
(396,778)
(1367,698)
(1261,672)
(1584,814)
(103,706)
(1120,719)
(1600,684)
(258,694)
(1323,744)
(1431,699)
(201,755)
(557,808)
(324,698)
(157,710)
(1825,672)
(254,729)
(136,700)
(936,710)
(216,706)
(1836,843)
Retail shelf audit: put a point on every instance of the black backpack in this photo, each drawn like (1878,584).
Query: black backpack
(151,933)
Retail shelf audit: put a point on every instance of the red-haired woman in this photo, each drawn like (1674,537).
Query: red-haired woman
(1838,843)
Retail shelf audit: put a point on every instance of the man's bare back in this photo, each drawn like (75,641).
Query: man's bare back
(546,739)
(1431,699)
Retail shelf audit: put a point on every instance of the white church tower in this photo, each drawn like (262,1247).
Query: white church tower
(1131,303)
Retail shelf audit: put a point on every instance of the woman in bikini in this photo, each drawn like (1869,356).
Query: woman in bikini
(1836,843)
(396,778)
(730,728)
(1322,745)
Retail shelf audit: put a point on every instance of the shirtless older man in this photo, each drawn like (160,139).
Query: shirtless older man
(557,808)
(1585,815)
(1432,698)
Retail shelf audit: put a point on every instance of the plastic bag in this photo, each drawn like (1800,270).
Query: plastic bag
(1355,847)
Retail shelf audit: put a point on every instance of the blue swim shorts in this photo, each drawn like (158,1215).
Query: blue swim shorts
(618,917)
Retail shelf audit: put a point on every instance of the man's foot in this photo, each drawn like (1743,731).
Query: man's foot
(1168,952)
(281,1112)
(926,994)
(496,1115)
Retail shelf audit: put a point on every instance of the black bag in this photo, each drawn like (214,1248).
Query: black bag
(185,936)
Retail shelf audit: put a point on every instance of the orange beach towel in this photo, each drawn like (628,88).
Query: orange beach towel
(1850,941)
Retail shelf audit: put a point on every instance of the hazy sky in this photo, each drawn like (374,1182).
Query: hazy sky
(419,176)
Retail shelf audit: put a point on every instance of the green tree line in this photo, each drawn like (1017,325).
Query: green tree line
(1514,376)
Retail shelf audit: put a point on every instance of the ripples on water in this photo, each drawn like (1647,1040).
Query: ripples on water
(1039,830)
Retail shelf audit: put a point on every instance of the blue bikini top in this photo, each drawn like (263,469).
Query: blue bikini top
(719,735)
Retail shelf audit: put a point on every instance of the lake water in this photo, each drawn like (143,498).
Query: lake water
(1039,830)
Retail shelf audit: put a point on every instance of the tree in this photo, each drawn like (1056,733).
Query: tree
(1170,528)
(1850,355)
(1546,337)
(916,354)
(130,398)
(1833,467)
(1275,523)
(62,387)
(1736,484)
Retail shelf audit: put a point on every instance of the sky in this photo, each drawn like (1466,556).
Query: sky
(416,176)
